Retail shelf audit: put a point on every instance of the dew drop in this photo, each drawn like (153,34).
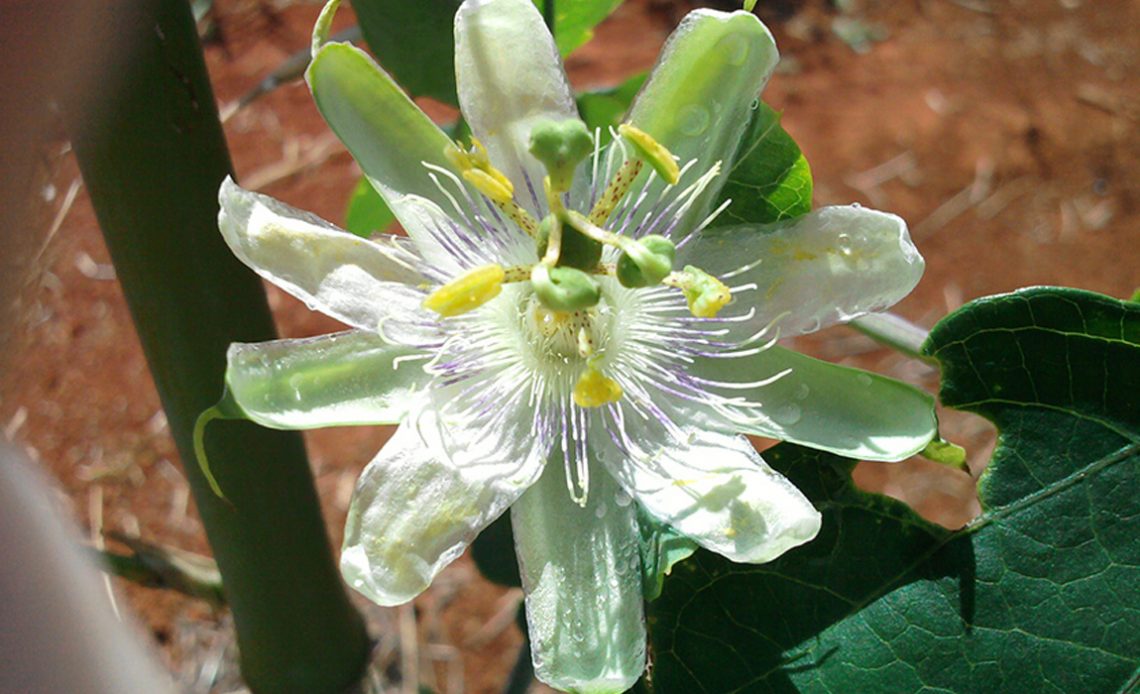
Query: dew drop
(844,243)
(622,499)
(857,205)
(788,414)
(803,391)
(600,511)
(812,325)
(863,379)
(734,47)
(755,104)
(694,119)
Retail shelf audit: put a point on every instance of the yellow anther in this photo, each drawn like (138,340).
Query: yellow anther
(708,302)
(475,166)
(479,154)
(652,151)
(467,292)
(706,294)
(458,157)
(491,183)
(594,390)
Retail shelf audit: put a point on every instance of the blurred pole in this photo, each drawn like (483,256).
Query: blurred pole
(58,634)
(152,154)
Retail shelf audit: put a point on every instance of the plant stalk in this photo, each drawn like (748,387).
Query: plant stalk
(152,154)
(895,332)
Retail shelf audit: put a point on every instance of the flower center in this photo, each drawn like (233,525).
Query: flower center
(565,315)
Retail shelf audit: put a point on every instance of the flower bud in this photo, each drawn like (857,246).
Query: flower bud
(645,262)
(564,288)
(560,146)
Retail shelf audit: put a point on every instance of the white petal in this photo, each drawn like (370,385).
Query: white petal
(415,509)
(788,396)
(713,488)
(509,75)
(387,134)
(362,283)
(451,247)
(581,571)
(333,380)
(697,100)
(828,266)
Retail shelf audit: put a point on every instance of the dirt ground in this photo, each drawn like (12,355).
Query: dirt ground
(1004,131)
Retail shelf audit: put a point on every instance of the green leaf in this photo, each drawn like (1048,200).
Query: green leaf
(604,108)
(770,179)
(494,553)
(367,212)
(1041,593)
(661,548)
(574,21)
(414,43)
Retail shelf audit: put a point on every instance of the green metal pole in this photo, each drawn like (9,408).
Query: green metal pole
(152,155)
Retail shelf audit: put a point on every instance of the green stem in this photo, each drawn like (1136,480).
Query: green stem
(895,332)
(152,154)
(548,15)
(162,567)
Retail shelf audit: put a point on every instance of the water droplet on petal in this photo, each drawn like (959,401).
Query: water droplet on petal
(843,242)
(788,414)
(755,104)
(857,205)
(812,325)
(734,47)
(693,119)
(863,379)
(802,391)
(600,511)
(622,499)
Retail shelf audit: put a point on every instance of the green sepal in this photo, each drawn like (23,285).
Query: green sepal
(225,408)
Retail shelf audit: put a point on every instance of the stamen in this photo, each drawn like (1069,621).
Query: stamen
(652,151)
(594,389)
(585,334)
(517,273)
(498,189)
(519,216)
(617,188)
(475,167)
(467,292)
(706,294)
